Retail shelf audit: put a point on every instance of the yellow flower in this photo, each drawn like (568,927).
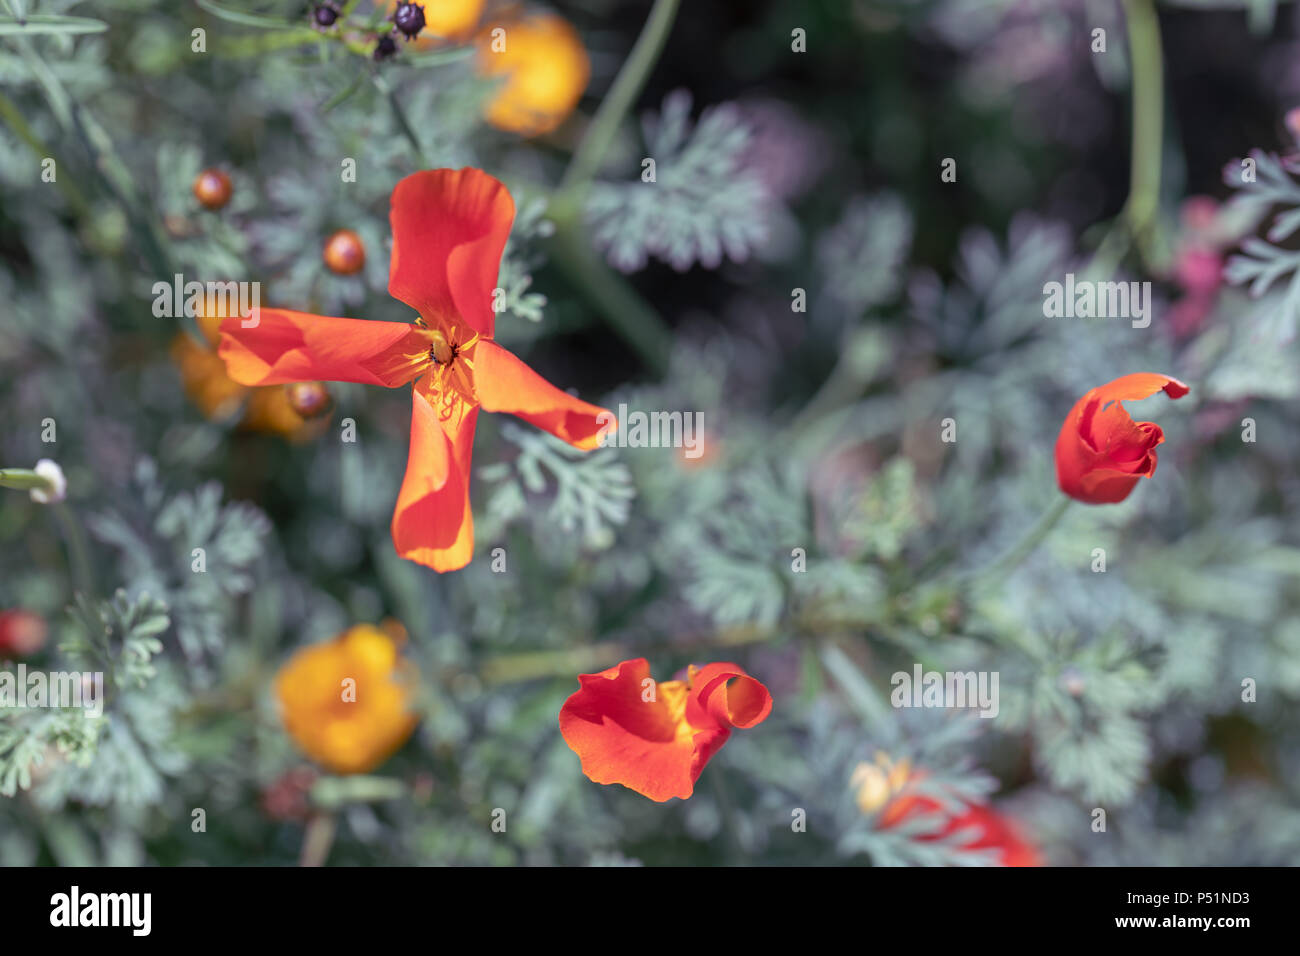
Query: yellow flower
(347,702)
(876,783)
(543,68)
(445,20)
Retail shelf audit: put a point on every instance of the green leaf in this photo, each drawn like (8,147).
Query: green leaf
(48,23)
(242,18)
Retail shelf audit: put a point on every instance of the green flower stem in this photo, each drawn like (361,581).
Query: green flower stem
(639,325)
(318,839)
(1148,119)
(1025,546)
(627,86)
(24,479)
(83,577)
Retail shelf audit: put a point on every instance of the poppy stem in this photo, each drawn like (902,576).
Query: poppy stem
(627,86)
(1026,545)
(1148,120)
(318,839)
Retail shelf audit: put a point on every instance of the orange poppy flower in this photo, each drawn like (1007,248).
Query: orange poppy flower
(347,702)
(544,70)
(655,738)
(982,828)
(1101,452)
(449,230)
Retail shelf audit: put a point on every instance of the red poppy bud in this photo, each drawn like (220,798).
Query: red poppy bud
(345,253)
(212,188)
(22,633)
(1101,452)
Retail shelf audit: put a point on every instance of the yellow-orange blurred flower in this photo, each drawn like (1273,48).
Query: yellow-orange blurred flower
(347,702)
(876,783)
(445,20)
(543,69)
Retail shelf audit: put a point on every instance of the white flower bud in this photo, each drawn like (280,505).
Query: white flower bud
(51,472)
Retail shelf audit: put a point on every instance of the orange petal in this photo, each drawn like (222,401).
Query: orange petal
(621,737)
(506,384)
(449,229)
(287,346)
(432,523)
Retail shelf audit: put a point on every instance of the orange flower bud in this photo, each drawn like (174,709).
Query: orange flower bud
(212,188)
(345,253)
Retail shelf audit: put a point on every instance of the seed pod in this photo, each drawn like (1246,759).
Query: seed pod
(325,15)
(384,48)
(409,19)
(212,188)
(345,253)
(308,399)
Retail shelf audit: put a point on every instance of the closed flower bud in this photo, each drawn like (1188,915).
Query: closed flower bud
(212,188)
(408,18)
(384,48)
(325,15)
(22,633)
(345,253)
(308,399)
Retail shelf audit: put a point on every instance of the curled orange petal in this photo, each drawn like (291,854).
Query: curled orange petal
(655,738)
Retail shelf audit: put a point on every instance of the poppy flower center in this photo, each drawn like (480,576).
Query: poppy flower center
(450,380)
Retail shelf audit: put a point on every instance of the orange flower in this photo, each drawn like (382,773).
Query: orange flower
(655,738)
(544,69)
(346,702)
(1101,452)
(449,230)
(981,828)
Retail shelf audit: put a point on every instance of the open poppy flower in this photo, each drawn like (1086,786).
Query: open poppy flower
(655,738)
(449,230)
(1101,452)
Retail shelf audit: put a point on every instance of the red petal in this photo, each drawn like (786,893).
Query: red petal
(1100,451)
(449,229)
(506,384)
(432,523)
(287,346)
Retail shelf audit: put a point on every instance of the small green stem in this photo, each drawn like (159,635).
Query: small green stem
(1025,546)
(626,312)
(627,86)
(78,556)
(1148,119)
(318,839)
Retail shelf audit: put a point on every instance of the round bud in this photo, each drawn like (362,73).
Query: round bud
(409,19)
(345,253)
(308,399)
(385,47)
(325,15)
(212,188)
